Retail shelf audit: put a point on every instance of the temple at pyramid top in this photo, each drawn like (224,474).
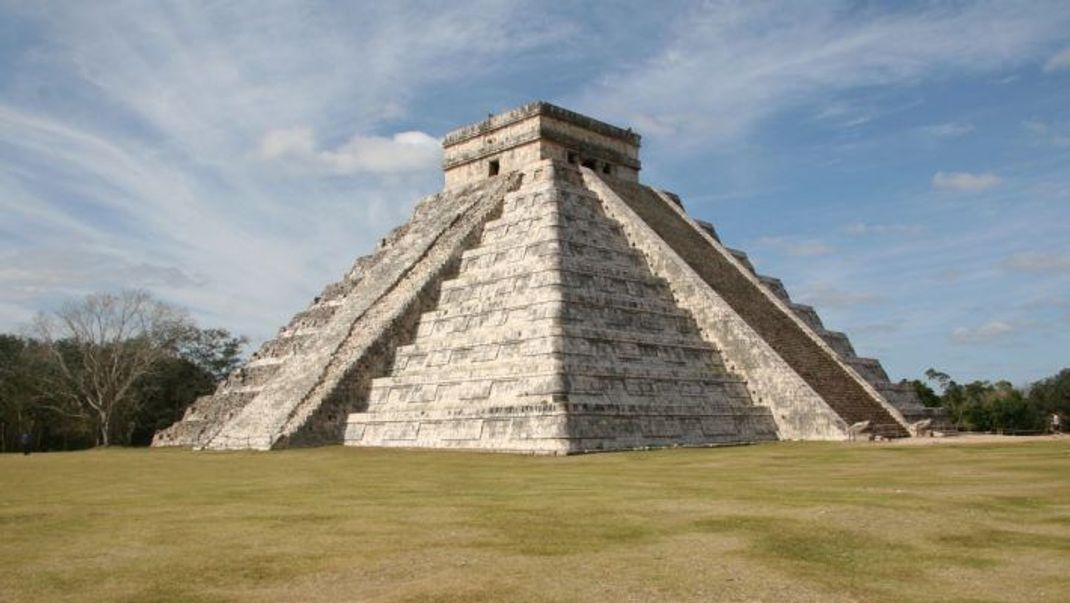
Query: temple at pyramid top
(548,302)
(536,131)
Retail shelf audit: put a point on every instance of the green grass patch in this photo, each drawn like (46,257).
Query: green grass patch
(788,521)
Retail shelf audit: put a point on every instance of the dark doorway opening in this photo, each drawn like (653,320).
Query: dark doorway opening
(590,163)
(493,167)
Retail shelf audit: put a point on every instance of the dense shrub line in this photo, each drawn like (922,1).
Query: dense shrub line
(1000,406)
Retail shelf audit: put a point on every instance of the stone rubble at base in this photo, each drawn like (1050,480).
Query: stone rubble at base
(548,303)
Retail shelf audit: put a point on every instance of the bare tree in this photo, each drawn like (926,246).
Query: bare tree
(99,347)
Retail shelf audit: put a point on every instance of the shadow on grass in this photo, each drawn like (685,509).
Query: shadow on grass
(551,532)
(839,558)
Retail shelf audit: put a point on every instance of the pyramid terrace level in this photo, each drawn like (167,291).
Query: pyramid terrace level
(508,141)
(545,301)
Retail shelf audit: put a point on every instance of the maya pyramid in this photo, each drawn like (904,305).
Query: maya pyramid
(547,302)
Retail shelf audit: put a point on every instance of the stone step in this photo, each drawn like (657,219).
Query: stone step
(708,227)
(808,315)
(570,295)
(743,258)
(550,240)
(462,353)
(254,373)
(869,369)
(530,334)
(516,225)
(564,270)
(901,395)
(286,345)
(839,342)
(652,393)
(315,316)
(776,286)
(489,322)
(573,364)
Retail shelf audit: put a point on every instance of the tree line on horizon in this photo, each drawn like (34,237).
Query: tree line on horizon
(108,369)
(998,406)
(114,368)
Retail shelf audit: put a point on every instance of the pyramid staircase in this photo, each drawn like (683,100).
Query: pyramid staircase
(547,302)
(900,395)
(556,338)
(298,388)
(834,379)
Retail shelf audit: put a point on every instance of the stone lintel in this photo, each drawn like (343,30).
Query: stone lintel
(507,118)
(534,132)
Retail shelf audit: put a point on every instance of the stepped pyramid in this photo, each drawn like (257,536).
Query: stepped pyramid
(547,302)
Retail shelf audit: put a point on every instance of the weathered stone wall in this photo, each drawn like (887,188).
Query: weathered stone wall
(555,338)
(365,320)
(511,156)
(533,132)
(846,393)
(799,411)
(578,312)
(902,397)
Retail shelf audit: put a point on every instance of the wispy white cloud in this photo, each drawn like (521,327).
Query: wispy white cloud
(1045,133)
(729,65)
(985,333)
(1058,61)
(400,153)
(860,229)
(1038,262)
(797,247)
(844,114)
(965,182)
(951,129)
(160,155)
(827,295)
(236,156)
(884,327)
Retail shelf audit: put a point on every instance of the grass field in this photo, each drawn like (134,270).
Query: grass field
(777,522)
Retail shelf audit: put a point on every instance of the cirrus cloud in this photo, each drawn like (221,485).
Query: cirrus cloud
(951,129)
(965,182)
(403,152)
(990,331)
(796,247)
(1038,262)
(1058,61)
(827,295)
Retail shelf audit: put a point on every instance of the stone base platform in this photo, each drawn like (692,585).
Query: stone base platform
(561,428)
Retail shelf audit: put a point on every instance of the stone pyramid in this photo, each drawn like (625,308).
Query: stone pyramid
(547,302)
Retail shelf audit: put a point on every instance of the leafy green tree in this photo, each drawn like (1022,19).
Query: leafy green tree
(1008,410)
(1000,406)
(16,400)
(926,394)
(215,351)
(1052,395)
(165,393)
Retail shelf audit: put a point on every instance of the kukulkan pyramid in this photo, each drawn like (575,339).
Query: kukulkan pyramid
(547,302)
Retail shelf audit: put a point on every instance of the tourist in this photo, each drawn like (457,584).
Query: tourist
(27,443)
(1056,423)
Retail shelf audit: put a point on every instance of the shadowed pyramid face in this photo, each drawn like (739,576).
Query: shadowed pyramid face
(546,302)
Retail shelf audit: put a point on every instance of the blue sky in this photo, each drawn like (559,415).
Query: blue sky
(906,170)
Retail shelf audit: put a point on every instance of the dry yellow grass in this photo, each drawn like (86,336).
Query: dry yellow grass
(778,522)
